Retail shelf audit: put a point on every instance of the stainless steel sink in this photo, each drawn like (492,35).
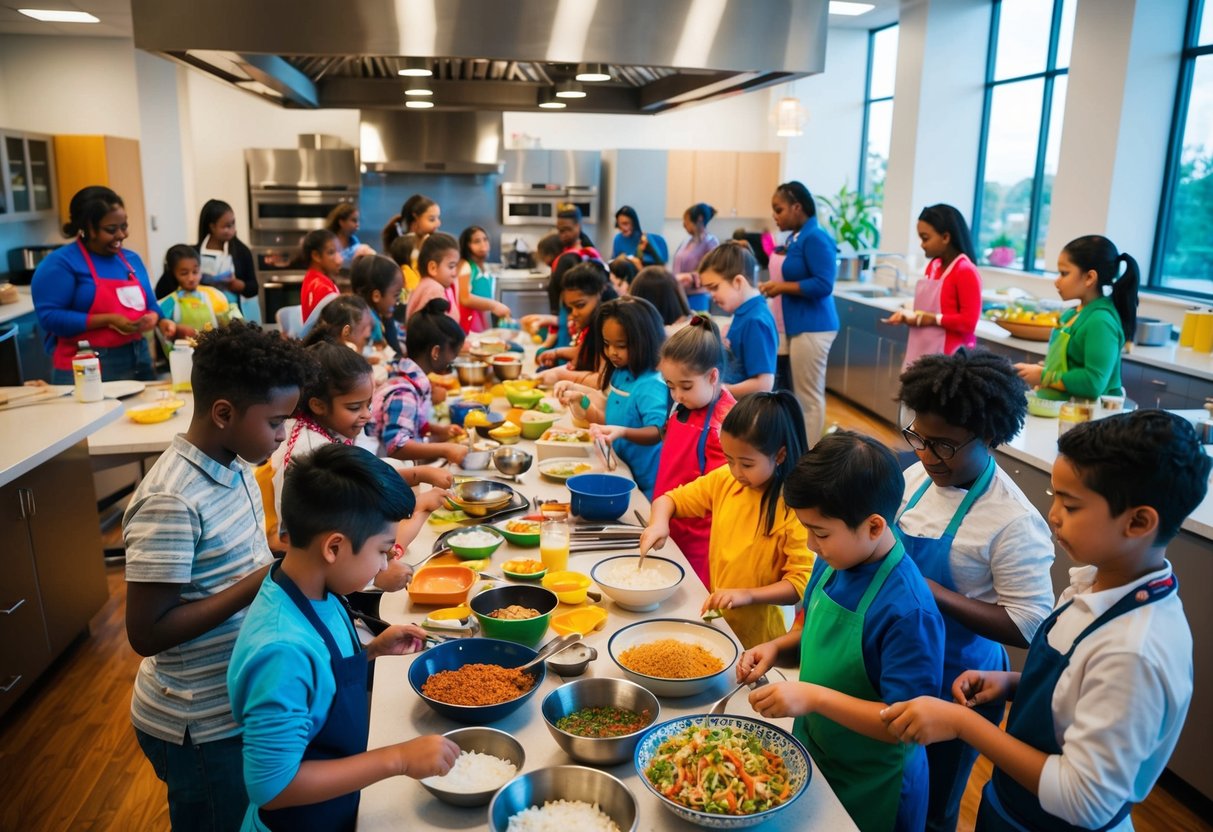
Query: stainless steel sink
(869,290)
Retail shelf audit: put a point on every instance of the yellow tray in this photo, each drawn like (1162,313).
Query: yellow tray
(585,621)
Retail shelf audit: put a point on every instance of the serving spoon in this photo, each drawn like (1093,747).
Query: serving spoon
(552,648)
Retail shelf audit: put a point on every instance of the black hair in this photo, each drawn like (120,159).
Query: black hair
(465,241)
(212,211)
(697,346)
(339,214)
(658,286)
(336,315)
(569,211)
(314,243)
(242,364)
(975,390)
(1144,458)
(340,369)
(432,250)
(629,212)
(729,259)
(342,488)
(701,212)
(796,192)
(377,273)
(88,207)
(849,477)
(549,245)
(946,219)
(1099,254)
(390,233)
(590,282)
(401,249)
(431,326)
(414,207)
(769,422)
(175,255)
(624,269)
(641,327)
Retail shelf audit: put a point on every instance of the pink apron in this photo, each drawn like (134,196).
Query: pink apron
(928,340)
(775,271)
(122,296)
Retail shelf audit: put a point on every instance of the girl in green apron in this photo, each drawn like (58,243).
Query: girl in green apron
(1083,360)
(871,632)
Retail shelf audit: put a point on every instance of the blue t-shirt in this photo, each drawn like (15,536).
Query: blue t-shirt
(63,288)
(812,262)
(753,341)
(637,403)
(656,253)
(281,683)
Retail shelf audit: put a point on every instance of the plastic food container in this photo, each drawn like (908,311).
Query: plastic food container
(570,587)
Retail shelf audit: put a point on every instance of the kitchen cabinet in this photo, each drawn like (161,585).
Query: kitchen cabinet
(736,184)
(27,192)
(81,161)
(679,182)
(35,362)
(865,361)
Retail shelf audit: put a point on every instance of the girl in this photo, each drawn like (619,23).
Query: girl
(439,260)
(809,317)
(656,285)
(758,556)
(551,253)
(623,272)
(421,217)
(585,286)
(728,272)
(402,250)
(692,361)
(476,285)
(323,261)
(1084,351)
(346,319)
(632,401)
(692,250)
(192,307)
(947,301)
(378,281)
(402,410)
(633,244)
(343,222)
(226,262)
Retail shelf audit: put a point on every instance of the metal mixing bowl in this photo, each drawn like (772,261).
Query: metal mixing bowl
(588,785)
(479,497)
(512,461)
(490,741)
(471,373)
(506,370)
(598,692)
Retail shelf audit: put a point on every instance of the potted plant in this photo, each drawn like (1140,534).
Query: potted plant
(851,218)
(1002,251)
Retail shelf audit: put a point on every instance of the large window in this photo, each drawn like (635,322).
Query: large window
(1021,129)
(1183,248)
(878,112)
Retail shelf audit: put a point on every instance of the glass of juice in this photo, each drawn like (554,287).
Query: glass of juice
(554,545)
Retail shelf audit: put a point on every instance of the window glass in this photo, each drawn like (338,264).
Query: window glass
(880,134)
(1010,163)
(1023,37)
(1052,152)
(1065,35)
(884,63)
(1206,25)
(1187,261)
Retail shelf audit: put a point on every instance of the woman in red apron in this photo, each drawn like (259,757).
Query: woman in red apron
(92,290)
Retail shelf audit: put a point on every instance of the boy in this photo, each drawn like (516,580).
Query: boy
(298,675)
(871,633)
(195,555)
(1107,682)
(727,273)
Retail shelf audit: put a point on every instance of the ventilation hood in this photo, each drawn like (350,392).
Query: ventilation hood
(401,141)
(489,55)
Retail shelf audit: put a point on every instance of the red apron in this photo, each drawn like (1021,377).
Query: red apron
(109,296)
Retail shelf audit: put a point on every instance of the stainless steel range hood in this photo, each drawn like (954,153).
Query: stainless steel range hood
(490,55)
(396,141)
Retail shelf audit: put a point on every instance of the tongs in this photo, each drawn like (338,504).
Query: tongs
(606,452)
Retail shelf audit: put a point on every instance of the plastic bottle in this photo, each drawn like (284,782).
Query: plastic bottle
(181,366)
(86,374)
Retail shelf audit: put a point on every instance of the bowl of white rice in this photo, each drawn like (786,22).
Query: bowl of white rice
(488,759)
(564,799)
(639,590)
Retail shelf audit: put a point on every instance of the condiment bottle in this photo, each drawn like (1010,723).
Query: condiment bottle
(181,365)
(86,374)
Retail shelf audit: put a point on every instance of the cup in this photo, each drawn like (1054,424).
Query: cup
(181,366)
(1111,404)
(554,545)
(1203,341)
(1187,333)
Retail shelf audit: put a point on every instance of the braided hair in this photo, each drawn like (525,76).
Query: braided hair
(976,390)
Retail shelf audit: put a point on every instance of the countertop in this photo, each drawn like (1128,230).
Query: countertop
(40,432)
(23,306)
(125,438)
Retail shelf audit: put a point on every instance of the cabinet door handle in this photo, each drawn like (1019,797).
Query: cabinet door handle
(22,508)
(12,683)
(33,506)
(13,608)
(1160,384)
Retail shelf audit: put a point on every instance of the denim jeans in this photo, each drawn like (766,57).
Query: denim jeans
(130,361)
(205,782)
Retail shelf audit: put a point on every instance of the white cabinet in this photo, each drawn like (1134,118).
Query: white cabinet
(28,189)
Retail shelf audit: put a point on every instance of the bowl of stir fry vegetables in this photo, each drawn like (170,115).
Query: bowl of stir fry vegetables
(599,720)
(723,772)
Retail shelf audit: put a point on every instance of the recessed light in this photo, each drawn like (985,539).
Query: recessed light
(415,68)
(593,73)
(569,89)
(548,101)
(849,9)
(419,91)
(419,104)
(59,16)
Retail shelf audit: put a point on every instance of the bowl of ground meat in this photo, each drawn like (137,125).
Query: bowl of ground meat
(516,612)
(475,680)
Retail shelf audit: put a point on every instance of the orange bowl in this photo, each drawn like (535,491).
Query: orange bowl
(442,585)
(1028,332)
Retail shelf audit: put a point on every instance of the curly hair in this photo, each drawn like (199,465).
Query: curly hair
(242,364)
(976,390)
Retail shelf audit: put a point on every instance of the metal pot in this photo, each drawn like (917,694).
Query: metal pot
(1205,431)
(1152,332)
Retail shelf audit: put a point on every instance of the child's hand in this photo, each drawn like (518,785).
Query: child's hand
(608,432)
(654,537)
(168,328)
(430,756)
(547,358)
(727,599)
(437,477)
(1030,373)
(438,394)
(147,321)
(780,699)
(394,577)
(456,453)
(500,310)
(432,500)
(396,640)
(923,720)
(548,378)
(755,662)
(977,687)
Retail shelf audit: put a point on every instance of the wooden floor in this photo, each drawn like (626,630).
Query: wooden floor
(69,760)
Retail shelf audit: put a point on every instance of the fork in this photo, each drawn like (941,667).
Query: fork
(721,704)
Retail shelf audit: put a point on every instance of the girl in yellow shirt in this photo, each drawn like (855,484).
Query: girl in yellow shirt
(758,553)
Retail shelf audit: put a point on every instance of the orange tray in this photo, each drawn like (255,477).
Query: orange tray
(443,585)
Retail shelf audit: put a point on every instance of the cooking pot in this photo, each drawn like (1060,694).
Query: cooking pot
(1152,332)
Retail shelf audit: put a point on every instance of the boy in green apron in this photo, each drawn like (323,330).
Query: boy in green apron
(871,632)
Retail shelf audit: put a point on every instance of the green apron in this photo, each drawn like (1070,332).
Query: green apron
(1056,364)
(866,774)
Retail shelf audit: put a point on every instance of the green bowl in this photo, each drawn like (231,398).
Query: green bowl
(534,430)
(517,538)
(1046,408)
(523,398)
(475,552)
(528,631)
(524,576)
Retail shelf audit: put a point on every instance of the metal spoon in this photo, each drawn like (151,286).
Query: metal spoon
(552,648)
(719,708)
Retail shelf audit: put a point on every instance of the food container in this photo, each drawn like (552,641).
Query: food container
(688,632)
(181,365)
(523,398)
(599,496)
(639,600)
(1203,341)
(561,468)
(562,441)
(441,585)
(1151,332)
(524,569)
(598,693)
(1187,333)
(513,462)
(1046,408)
(581,783)
(534,424)
(474,552)
(490,741)
(1075,412)
(474,373)
(1111,404)
(570,587)
(452,655)
(506,367)
(484,421)
(571,661)
(527,631)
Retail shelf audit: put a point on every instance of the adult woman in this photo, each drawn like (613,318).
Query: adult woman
(91,290)
(692,250)
(631,242)
(343,222)
(809,318)
(226,262)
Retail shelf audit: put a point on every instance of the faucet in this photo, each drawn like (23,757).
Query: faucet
(900,273)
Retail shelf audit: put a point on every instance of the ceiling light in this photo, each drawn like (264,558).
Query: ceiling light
(548,101)
(569,89)
(415,68)
(849,9)
(593,73)
(59,16)
(419,104)
(418,87)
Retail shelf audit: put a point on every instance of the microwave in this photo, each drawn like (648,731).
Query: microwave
(283,209)
(539,204)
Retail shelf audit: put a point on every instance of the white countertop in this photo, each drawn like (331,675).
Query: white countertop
(23,306)
(40,432)
(127,438)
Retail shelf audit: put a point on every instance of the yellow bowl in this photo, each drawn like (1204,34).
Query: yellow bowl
(570,587)
(150,414)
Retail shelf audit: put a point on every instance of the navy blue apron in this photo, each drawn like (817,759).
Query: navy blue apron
(951,762)
(1007,806)
(345,730)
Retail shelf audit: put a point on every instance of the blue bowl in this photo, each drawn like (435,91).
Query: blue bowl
(795,757)
(599,496)
(452,655)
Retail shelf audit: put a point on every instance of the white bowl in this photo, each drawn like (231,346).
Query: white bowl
(640,600)
(687,632)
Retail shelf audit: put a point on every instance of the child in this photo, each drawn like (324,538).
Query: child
(1106,685)
(623,272)
(568,228)
(947,300)
(402,410)
(692,360)
(439,267)
(195,555)
(343,222)
(346,319)
(758,557)
(658,286)
(585,287)
(727,272)
(1084,352)
(476,285)
(192,307)
(402,251)
(421,217)
(378,281)
(298,675)
(871,635)
(323,263)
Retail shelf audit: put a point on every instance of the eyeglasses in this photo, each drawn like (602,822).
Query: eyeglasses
(942,449)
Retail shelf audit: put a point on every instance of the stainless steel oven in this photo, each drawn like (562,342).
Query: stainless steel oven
(530,204)
(295,189)
(294,209)
(280,276)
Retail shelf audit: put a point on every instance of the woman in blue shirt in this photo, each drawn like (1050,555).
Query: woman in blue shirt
(641,248)
(809,317)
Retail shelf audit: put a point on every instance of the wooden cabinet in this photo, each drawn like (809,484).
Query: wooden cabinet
(757,176)
(735,184)
(81,161)
(28,191)
(679,182)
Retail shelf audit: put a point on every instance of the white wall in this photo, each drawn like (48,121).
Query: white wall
(171,213)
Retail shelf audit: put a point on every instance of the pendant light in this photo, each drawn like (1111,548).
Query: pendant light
(593,73)
(790,117)
(569,89)
(549,101)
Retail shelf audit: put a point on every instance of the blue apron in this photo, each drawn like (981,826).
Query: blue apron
(951,762)
(1007,806)
(344,733)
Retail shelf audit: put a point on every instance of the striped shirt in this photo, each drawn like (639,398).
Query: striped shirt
(199,524)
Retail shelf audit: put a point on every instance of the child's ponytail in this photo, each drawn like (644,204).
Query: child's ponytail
(431,327)
(1098,254)
(1124,295)
(697,346)
(769,422)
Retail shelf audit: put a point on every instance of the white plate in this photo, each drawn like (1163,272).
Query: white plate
(594,467)
(122,389)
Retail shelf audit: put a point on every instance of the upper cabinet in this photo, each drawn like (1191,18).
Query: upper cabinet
(28,189)
(103,160)
(736,184)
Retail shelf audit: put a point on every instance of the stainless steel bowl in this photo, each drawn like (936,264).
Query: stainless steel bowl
(476,461)
(506,370)
(486,741)
(512,461)
(471,373)
(1151,332)
(564,783)
(479,497)
(599,692)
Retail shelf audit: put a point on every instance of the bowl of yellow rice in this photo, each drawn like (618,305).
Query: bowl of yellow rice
(673,657)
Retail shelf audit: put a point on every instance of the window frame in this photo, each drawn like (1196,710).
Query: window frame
(1192,50)
(1049,75)
(868,101)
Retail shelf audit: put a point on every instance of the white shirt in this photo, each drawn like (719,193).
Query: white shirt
(1002,552)
(1119,707)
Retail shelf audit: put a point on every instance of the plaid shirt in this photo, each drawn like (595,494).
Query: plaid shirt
(401,409)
